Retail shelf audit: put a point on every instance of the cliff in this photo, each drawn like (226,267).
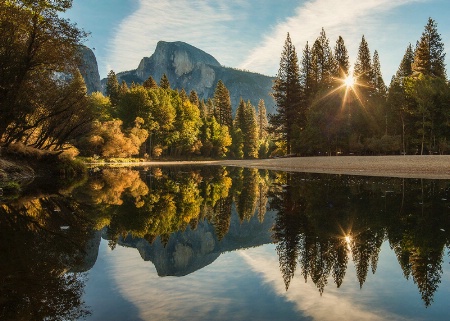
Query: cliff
(89,70)
(193,69)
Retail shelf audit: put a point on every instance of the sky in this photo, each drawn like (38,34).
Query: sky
(250,34)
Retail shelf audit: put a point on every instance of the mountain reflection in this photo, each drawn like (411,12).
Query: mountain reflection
(182,219)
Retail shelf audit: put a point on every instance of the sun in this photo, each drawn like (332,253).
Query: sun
(349,81)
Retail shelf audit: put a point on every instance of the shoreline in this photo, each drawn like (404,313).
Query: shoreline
(403,166)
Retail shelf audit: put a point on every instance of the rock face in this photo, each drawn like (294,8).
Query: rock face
(89,70)
(193,69)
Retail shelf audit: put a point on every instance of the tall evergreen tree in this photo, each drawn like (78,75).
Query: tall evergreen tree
(112,88)
(322,60)
(287,94)
(363,65)
(150,83)
(193,98)
(183,95)
(405,68)
(164,82)
(210,108)
(307,81)
(123,89)
(261,120)
(222,104)
(245,122)
(429,55)
(377,78)
(341,59)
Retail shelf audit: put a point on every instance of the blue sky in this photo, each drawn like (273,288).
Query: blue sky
(250,34)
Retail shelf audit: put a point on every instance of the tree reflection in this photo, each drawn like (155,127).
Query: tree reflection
(156,202)
(41,241)
(324,220)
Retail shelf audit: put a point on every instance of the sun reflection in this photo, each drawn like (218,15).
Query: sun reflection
(348,241)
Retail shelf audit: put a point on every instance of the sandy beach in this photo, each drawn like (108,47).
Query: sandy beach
(427,166)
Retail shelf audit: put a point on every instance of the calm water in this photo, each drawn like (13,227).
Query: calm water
(216,243)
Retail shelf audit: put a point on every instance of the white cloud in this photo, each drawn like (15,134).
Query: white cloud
(348,18)
(245,34)
(203,24)
(334,305)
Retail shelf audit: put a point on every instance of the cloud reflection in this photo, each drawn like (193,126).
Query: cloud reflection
(334,305)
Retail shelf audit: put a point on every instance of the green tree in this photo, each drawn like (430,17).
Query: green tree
(431,111)
(363,65)
(215,138)
(287,93)
(100,106)
(222,105)
(187,124)
(429,58)
(112,88)
(245,120)
(135,103)
(164,82)
(377,78)
(261,120)
(341,59)
(193,98)
(399,105)
(150,83)
(405,68)
(323,64)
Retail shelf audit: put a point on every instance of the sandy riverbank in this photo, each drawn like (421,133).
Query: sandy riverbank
(428,166)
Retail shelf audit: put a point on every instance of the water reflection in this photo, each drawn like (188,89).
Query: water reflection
(44,245)
(183,219)
(322,221)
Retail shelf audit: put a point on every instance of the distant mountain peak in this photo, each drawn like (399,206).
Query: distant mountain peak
(190,68)
(178,47)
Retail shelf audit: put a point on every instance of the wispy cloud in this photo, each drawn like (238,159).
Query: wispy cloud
(348,18)
(250,34)
(204,24)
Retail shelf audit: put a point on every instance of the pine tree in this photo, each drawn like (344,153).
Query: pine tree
(183,95)
(377,78)
(322,60)
(193,98)
(429,55)
(202,108)
(164,82)
(123,89)
(341,59)
(222,104)
(405,68)
(210,108)
(307,81)
(245,123)
(150,83)
(112,88)
(363,65)
(287,94)
(261,120)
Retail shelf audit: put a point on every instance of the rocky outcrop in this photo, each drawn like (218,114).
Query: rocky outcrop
(89,70)
(190,68)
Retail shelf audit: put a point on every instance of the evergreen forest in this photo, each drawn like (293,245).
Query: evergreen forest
(324,106)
